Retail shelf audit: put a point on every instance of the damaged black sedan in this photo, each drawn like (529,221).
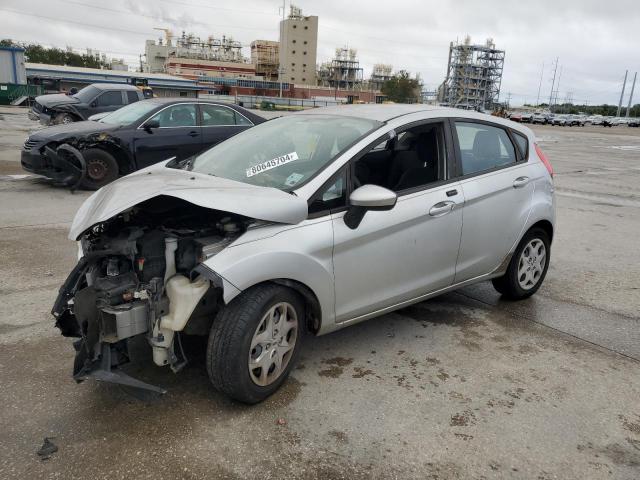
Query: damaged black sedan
(92,154)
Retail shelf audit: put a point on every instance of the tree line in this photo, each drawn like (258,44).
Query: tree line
(401,88)
(55,56)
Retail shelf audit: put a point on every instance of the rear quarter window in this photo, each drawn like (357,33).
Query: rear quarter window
(523,144)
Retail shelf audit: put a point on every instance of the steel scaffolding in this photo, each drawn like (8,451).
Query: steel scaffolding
(474,76)
(343,72)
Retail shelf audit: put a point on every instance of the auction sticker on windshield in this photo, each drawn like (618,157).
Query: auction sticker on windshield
(273,163)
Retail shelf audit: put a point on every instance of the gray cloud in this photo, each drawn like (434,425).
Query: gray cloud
(595,41)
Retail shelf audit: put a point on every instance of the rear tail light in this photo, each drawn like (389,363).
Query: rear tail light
(545,160)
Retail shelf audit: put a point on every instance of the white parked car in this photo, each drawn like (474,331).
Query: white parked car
(301,226)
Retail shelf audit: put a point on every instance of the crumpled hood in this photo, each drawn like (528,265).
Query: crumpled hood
(60,132)
(55,99)
(261,203)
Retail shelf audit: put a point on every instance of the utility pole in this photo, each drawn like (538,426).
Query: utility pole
(558,85)
(633,86)
(553,82)
(540,85)
(508,99)
(626,72)
(283,43)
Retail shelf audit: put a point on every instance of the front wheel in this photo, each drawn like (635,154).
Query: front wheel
(64,119)
(101,167)
(527,267)
(254,342)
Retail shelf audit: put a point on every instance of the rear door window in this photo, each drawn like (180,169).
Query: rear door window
(215,115)
(108,99)
(483,147)
(132,96)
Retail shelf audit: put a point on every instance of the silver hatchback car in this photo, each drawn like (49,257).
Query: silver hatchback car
(301,226)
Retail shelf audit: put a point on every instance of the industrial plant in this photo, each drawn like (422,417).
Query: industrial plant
(474,76)
(186,64)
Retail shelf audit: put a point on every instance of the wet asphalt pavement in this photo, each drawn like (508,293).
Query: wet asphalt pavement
(462,386)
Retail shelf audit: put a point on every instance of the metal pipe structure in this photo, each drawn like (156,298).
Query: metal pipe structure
(553,83)
(540,85)
(626,72)
(633,86)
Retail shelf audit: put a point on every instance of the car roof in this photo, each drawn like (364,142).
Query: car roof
(167,100)
(380,112)
(387,112)
(113,86)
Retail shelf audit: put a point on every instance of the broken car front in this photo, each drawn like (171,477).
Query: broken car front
(92,154)
(303,225)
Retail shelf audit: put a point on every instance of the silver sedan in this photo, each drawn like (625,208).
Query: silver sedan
(301,226)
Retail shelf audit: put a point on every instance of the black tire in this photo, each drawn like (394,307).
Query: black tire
(508,285)
(230,339)
(102,168)
(64,119)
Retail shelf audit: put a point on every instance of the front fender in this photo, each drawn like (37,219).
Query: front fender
(302,253)
(68,108)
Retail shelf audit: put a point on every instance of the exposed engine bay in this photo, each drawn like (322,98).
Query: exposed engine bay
(140,274)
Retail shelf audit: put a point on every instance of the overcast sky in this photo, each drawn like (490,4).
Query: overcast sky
(596,41)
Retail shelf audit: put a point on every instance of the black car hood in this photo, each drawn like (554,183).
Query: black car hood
(60,132)
(56,99)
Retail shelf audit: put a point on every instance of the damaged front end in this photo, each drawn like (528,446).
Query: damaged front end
(141,273)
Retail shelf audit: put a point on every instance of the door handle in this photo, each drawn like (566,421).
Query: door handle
(193,133)
(520,182)
(441,208)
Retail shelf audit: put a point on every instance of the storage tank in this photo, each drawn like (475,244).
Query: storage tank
(12,66)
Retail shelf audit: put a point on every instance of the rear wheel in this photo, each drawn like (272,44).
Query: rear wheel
(101,167)
(255,341)
(527,267)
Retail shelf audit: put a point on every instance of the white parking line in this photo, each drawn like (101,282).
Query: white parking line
(12,178)
(627,148)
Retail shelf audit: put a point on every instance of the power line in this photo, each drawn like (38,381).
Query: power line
(213,7)
(102,27)
(84,24)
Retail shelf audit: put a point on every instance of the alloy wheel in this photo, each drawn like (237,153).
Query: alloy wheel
(273,343)
(531,265)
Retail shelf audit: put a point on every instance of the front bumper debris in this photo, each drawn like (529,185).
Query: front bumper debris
(98,351)
(65,165)
(103,370)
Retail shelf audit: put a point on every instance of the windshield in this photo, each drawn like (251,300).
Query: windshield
(129,114)
(285,152)
(86,94)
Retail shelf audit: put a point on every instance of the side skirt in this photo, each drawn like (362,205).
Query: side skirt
(352,321)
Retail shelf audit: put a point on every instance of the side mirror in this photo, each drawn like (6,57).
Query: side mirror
(150,124)
(368,197)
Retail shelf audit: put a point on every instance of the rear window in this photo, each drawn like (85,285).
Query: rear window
(523,144)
